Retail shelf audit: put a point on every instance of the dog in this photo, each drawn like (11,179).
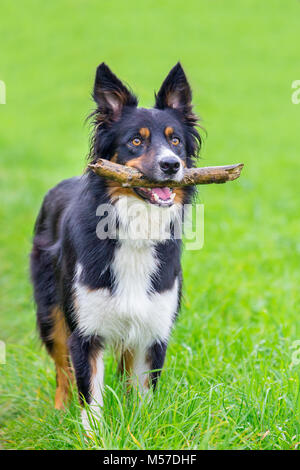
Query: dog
(94,292)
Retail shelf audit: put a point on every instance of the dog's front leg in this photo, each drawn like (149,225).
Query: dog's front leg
(87,359)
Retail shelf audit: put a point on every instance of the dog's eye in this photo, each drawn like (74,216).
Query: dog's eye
(136,141)
(175,140)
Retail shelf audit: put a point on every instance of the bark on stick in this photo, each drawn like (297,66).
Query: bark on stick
(131,177)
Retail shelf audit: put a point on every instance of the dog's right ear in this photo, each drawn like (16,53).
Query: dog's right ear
(110,94)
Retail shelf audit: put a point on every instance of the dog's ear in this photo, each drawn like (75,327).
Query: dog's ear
(110,94)
(176,93)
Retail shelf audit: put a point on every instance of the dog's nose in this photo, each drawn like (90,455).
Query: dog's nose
(169,165)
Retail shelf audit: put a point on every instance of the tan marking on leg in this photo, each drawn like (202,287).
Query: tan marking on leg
(136,369)
(125,366)
(126,362)
(60,354)
(147,382)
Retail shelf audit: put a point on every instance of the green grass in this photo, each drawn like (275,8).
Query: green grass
(228,381)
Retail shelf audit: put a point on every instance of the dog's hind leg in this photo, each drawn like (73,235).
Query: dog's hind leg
(60,354)
(50,319)
(55,333)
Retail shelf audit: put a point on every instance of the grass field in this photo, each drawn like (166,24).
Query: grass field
(230,381)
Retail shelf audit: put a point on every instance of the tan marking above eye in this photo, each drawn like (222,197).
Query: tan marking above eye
(144,132)
(169,131)
(136,141)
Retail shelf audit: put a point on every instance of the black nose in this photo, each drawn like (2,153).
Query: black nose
(169,165)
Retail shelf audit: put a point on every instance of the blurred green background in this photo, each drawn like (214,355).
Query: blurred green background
(230,379)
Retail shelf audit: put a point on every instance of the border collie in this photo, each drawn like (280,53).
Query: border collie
(122,291)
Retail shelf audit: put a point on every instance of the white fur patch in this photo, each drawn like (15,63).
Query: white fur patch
(132,316)
(144,223)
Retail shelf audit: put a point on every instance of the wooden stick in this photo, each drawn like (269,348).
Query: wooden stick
(131,177)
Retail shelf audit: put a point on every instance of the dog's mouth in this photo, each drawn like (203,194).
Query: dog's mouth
(158,196)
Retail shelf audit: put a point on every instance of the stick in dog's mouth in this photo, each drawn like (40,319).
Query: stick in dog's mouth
(131,177)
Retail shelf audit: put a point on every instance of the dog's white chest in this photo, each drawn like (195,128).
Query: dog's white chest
(133,315)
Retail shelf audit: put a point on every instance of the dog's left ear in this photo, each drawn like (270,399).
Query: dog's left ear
(176,93)
(110,94)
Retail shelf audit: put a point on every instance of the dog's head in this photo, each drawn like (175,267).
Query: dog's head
(160,142)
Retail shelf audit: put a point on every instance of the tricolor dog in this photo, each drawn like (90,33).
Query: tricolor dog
(119,291)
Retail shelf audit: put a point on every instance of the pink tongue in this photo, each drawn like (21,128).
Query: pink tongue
(163,193)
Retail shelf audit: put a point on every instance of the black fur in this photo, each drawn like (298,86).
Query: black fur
(157,353)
